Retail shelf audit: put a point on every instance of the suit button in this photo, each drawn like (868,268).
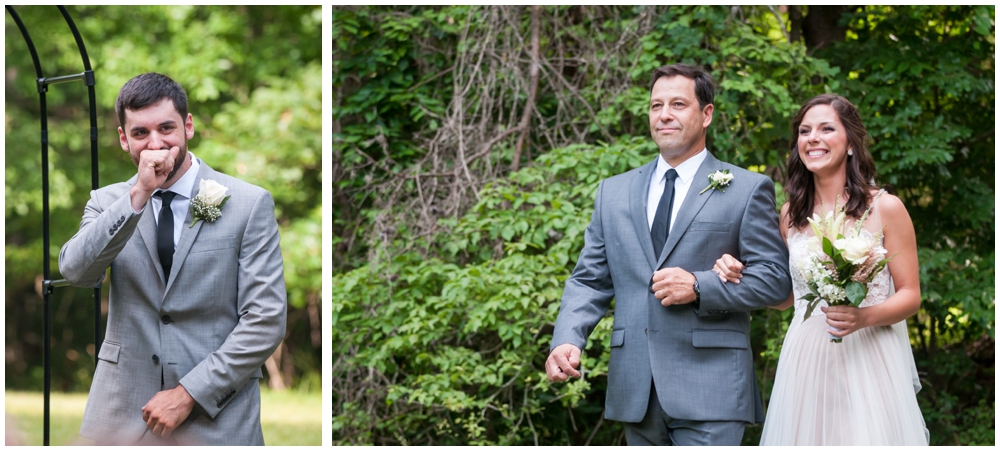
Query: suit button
(156,359)
(166,319)
(111,232)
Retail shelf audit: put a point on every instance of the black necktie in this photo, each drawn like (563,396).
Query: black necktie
(165,233)
(661,221)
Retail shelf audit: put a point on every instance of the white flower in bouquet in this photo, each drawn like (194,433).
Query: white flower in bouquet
(841,272)
(804,267)
(814,248)
(855,249)
(833,293)
(828,226)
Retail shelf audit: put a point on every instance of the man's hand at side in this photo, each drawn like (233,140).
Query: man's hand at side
(563,363)
(167,410)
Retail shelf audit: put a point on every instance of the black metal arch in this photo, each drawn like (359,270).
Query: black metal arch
(87,76)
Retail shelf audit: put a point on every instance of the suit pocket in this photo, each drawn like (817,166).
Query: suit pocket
(109,352)
(719,338)
(711,226)
(617,338)
(213,244)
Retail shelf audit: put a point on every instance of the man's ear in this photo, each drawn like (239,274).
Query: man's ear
(189,127)
(709,109)
(122,139)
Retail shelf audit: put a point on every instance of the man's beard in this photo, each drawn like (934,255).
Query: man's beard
(178,162)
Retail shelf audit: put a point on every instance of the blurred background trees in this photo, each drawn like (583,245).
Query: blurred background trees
(253,78)
(468,142)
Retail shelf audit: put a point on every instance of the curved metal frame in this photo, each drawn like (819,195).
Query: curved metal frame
(87,76)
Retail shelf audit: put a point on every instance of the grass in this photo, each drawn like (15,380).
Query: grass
(291,418)
(288,418)
(24,418)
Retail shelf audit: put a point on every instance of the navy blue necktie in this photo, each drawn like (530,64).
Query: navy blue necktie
(165,233)
(661,221)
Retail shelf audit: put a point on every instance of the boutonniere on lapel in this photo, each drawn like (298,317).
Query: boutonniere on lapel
(718,180)
(207,205)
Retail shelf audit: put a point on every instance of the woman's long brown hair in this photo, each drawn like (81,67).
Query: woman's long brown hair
(800,188)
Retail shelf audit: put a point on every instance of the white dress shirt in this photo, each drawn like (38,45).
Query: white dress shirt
(685,175)
(182,202)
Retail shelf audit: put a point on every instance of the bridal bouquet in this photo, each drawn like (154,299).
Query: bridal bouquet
(842,261)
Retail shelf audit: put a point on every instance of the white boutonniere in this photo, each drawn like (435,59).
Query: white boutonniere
(718,180)
(207,205)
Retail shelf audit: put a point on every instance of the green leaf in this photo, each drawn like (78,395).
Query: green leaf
(810,307)
(828,248)
(856,292)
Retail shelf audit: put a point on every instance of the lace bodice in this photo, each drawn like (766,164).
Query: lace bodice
(878,290)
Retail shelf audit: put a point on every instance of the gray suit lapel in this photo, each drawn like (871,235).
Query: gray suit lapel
(147,230)
(188,235)
(638,196)
(693,202)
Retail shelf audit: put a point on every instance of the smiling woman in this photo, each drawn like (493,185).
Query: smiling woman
(817,397)
(822,141)
(830,127)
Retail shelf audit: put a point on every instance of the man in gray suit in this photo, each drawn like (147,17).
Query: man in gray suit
(681,369)
(194,310)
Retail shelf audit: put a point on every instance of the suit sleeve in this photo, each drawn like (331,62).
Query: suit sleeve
(765,279)
(261,307)
(589,289)
(103,233)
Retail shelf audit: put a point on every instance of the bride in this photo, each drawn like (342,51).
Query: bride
(861,391)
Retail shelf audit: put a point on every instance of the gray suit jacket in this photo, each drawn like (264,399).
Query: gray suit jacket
(698,355)
(210,328)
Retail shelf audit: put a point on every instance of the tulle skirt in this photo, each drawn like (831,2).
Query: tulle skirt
(858,392)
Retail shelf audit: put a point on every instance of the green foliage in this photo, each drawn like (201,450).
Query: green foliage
(445,329)
(461,333)
(957,398)
(253,77)
(382,59)
(385,89)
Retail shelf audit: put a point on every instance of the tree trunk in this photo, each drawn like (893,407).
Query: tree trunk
(276,381)
(529,105)
(820,25)
(795,17)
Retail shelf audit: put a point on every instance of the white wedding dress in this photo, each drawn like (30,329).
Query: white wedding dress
(858,392)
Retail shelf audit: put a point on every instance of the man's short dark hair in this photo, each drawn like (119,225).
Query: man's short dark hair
(704,85)
(149,88)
